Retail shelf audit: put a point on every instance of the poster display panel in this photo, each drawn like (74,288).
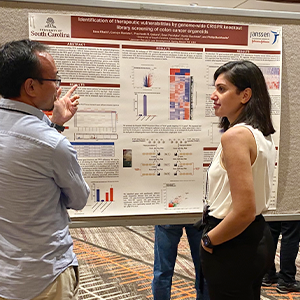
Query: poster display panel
(145,130)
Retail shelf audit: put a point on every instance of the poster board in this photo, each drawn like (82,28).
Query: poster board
(165,216)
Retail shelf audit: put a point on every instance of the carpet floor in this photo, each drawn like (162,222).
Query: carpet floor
(116,263)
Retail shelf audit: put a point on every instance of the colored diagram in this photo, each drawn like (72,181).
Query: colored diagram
(175,195)
(146,92)
(175,202)
(272,77)
(148,80)
(141,106)
(143,76)
(102,196)
(181,96)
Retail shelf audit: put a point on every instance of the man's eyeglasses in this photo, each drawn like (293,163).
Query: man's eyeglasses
(57,80)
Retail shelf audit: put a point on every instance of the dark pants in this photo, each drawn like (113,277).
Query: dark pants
(235,269)
(290,231)
(167,238)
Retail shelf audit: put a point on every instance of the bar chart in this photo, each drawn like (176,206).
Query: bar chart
(102,196)
(142,107)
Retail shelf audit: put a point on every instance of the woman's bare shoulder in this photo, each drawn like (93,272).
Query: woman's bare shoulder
(237,134)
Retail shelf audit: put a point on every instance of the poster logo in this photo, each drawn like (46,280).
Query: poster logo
(276,34)
(260,37)
(49,29)
(264,37)
(50,23)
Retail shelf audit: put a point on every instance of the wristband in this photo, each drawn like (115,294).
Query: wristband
(206,241)
(59,128)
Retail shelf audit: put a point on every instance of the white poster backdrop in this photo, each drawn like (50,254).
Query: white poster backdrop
(145,131)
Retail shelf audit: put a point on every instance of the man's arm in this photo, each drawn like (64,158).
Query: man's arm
(67,175)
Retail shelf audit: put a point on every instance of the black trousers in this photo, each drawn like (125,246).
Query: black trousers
(290,231)
(235,269)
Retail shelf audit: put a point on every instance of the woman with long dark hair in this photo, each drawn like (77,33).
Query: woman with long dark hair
(237,246)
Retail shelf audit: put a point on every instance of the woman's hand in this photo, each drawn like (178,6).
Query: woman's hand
(210,250)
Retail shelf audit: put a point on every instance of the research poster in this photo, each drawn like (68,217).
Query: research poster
(145,130)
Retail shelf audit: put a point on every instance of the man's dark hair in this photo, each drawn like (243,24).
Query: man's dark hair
(19,61)
(257,111)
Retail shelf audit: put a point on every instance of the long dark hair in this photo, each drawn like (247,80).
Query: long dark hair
(257,111)
(19,61)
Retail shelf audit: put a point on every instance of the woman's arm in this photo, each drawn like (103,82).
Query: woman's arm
(239,153)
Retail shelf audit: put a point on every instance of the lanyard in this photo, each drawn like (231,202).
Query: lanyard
(206,209)
(15,110)
(206,187)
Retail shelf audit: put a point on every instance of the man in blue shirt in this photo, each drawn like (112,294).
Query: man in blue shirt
(40,177)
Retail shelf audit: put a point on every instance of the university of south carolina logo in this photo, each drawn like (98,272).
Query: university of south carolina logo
(50,30)
(50,23)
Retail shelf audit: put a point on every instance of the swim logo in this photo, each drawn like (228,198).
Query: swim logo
(264,37)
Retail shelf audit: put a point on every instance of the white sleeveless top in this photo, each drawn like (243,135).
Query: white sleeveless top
(219,195)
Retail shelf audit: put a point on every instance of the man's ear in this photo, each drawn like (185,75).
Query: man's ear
(30,87)
(247,93)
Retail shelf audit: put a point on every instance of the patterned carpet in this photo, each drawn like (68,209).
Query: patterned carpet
(116,263)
